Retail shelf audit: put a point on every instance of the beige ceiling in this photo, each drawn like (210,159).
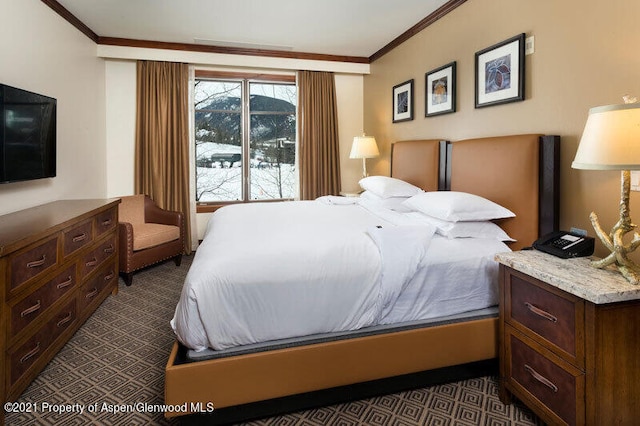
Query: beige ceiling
(333,27)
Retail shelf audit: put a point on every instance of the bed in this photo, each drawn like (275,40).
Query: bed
(518,172)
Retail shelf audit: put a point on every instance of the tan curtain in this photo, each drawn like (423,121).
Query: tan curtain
(162,137)
(319,149)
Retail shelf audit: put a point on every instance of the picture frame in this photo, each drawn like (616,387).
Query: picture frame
(500,73)
(403,101)
(440,90)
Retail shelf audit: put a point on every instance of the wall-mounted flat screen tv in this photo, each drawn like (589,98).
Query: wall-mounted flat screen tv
(27,135)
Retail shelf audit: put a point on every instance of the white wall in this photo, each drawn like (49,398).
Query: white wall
(121,126)
(43,53)
(120,113)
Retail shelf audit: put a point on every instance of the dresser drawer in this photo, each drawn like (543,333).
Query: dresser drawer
(106,221)
(95,258)
(26,355)
(78,237)
(92,289)
(33,262)
(557,385)
(35,304)
(551,314)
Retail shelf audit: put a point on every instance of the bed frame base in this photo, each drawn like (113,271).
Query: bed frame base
(244,379)
(343,394)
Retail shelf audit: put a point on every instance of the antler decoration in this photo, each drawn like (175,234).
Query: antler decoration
(613,240)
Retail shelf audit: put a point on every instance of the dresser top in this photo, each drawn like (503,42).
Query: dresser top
(22,227)
(575,276)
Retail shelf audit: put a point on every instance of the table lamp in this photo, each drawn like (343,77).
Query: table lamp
(611,141)
(364,147)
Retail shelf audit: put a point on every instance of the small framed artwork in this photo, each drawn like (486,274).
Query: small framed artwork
(403,101)
(500,73)
(440,90)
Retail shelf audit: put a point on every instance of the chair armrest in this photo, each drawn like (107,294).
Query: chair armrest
(154,214)
(125,236)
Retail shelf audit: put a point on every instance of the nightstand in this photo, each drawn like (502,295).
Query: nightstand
(569,339)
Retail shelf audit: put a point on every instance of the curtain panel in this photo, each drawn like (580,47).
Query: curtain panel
(162,137)
(319,155)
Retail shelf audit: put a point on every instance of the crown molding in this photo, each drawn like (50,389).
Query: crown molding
(116,41)
(433,17)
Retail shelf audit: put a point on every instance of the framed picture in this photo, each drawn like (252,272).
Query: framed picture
(500,73)
(440,90)
(403,101)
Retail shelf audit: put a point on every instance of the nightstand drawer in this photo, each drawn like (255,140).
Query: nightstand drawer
(557,385)
(551,314)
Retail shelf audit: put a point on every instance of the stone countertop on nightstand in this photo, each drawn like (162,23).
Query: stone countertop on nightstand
(575,276)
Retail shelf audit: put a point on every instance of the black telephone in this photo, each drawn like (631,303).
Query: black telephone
(565,244)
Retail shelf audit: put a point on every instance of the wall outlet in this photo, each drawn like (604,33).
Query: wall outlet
(529,45)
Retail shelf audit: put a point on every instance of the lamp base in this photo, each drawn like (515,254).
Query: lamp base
(364,168)
(613,240)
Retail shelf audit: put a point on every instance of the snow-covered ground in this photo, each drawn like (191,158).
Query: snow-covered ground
(222,180)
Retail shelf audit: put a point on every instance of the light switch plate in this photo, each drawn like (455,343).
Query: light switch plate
(635,180)
(529,45)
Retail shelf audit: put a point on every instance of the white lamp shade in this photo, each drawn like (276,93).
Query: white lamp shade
(611,139)
(364,147)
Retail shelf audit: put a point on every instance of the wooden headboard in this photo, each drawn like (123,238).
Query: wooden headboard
(519,172)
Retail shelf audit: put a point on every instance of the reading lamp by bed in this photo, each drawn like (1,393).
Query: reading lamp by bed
(611,141)
(364,147)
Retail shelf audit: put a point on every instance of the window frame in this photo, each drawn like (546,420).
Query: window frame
(246,78)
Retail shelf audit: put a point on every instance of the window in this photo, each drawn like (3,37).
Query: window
(245,137)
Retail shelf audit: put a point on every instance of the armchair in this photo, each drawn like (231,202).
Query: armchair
(147,235)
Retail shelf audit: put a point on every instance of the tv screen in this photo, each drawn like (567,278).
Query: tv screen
(27,135)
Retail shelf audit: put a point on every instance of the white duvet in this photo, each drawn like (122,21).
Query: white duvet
(269,271)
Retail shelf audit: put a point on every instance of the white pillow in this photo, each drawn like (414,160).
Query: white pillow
(368,195)
(391,203)
(386,187)
(481,229)
(456,206)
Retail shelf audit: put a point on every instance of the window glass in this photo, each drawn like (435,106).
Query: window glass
(272,141)
(218,125)
(244,157)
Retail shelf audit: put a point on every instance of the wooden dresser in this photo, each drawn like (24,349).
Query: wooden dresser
(569,340)
(58,262)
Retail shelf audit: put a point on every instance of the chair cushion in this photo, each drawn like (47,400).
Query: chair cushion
(147,235)
(131,209)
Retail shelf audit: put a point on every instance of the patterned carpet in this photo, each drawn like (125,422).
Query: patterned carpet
(116,361)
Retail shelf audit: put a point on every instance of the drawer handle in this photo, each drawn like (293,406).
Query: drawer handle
(30,310)
(106,222)
(109,276)
(36,263)
(92,262)
(539,377)
(66,283)
(92,293)
(109,250)
(30,354)
(79,238)
(542,313)
(65,320)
